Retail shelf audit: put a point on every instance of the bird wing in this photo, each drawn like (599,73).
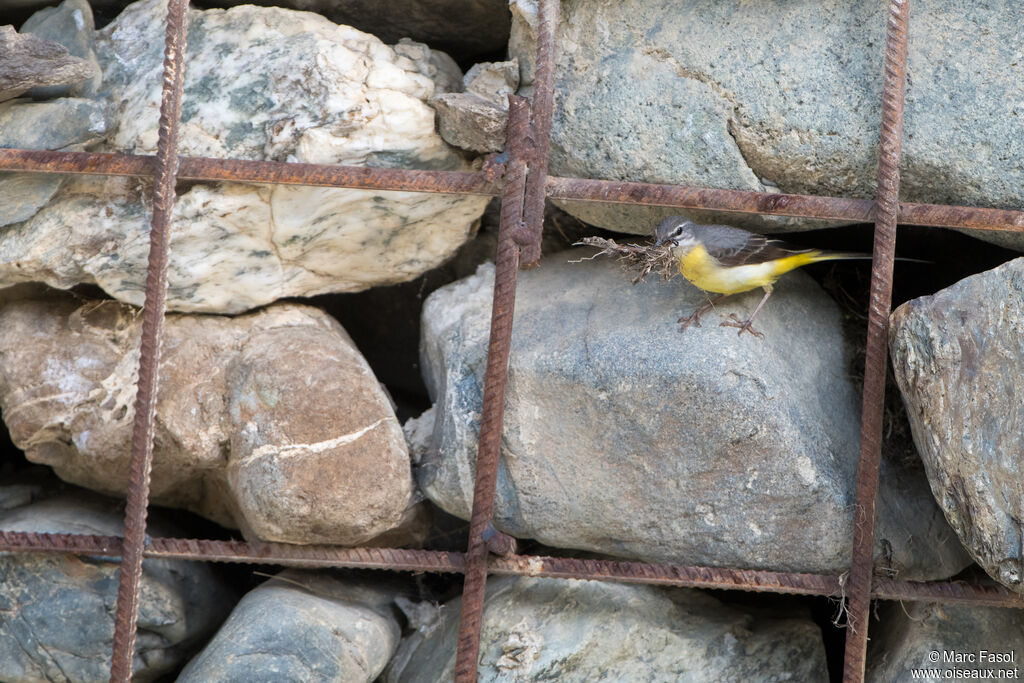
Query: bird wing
(751,251)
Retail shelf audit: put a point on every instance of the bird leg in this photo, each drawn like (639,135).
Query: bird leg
(745,325)
(694,318)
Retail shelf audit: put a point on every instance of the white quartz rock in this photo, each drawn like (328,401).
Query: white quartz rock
(261,83)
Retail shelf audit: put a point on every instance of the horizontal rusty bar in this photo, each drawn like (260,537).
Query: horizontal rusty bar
(668,575)
(239,551)
(797,205)
(240,170)
(453,182)
(987,594)
(990,594)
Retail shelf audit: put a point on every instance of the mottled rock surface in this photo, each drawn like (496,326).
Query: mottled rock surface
(28,61)
(301,626)
(249,430)
(546,629)
(69,24)
(57,611)
(476,118)
(66,124)
(308,91)
(757,96)
(932,637)
(624,436)
(958,356)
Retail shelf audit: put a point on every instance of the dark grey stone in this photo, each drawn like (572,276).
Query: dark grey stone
(57,611)
(958,356)
(61,124)
(554,630)
(300,627)
(625,437)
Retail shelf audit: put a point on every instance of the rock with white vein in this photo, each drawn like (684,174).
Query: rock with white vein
(272,421)
(261,83)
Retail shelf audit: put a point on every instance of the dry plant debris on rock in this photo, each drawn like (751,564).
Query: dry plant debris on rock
(643,258)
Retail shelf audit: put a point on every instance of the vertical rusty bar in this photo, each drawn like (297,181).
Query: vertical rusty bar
(540,132)
(149,351)
(495,380)
(886,211)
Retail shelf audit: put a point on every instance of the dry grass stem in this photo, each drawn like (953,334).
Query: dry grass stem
(636,257)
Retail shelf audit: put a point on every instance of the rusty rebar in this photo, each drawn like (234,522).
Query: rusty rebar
(495,381)
(796,205)
(149,350)
(886,211)
(249,171)
(619,571)
(541,111)
(480,183)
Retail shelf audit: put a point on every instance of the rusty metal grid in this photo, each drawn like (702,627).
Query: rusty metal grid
(523,185)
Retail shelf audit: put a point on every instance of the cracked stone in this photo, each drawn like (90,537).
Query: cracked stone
(713,94)
(248,430)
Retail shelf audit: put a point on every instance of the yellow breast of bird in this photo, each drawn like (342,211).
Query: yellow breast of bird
(705,271)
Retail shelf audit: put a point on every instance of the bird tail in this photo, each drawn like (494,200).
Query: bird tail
(816,256)
(803,258)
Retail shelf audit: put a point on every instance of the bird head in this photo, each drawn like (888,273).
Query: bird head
(676,231)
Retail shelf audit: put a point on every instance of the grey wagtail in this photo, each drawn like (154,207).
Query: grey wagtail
(726,260)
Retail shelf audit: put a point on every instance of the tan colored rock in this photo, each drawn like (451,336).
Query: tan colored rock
(272,422)
(476,119)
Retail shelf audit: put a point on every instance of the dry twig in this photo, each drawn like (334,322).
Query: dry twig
(644,258)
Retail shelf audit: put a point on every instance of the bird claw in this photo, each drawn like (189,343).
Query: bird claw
(694,318)
(744,325)
(688,320)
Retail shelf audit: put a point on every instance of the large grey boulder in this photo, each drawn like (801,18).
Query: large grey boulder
(307,90)
(249,431)
(57,610)
(624,436)
(945,642)
(958,356)
(555,630)
(757,96)
(302,626)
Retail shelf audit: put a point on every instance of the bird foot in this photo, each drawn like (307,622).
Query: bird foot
(693,318)
(744,325)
